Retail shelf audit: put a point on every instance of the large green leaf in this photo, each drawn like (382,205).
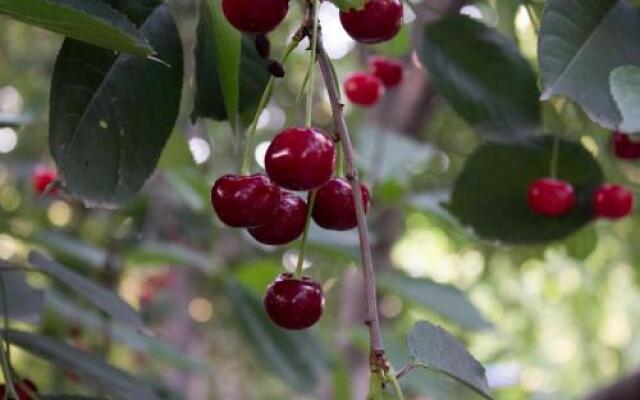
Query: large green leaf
(296,357)
(90,21)
(490,195)
(101,297)
(23,302)
(625,88)
(111,115)
(230,74)
(581,43)
(484,77)
(434,348)
(112,381)
(445,300)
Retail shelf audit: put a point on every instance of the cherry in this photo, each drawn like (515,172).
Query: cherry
(42,177)
(292,303)
(551,197)
(612,201)
(378,21)
(300,159)
(245,201)
(363,89)
(286,225)
(255,16)
(388,70)
(624,147)
(335,208)
(22,393)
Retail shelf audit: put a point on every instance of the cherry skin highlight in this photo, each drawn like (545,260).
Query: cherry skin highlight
(363,89)
(624,147)
(255,16)
(388,70)
(42,177)
(20,391)
(612,201)
(378,21)
(551,197)
(335,208)
(245,201)
(294,304)
(300,159)
(286,225)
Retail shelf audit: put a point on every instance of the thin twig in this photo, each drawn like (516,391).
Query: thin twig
(405,370)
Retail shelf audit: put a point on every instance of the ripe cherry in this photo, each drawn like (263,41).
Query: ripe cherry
(551,197)
(388,70)
(22,393)
(286,225)
(624,147)
(300,159)
(363,89)
(612,201)
(294,304)
(255,16)
(42,177)
(245,201)
(378,21)
(334,207)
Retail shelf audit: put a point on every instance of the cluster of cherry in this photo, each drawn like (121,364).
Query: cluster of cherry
(366,88)
(554,197)
(24,389)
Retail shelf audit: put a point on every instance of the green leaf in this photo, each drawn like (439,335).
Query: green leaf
(230,74)
(24,303)
(434,348)
(91,21)
(91,369)
(349,4)
(499,98)
(490,195)
(154,253)
(102,298)
(582,244)
(581,42)
(445,300)
(296,357)
(68,248)
(111,115)
(625,88)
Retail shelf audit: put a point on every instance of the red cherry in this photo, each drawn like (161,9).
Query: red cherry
(378,21)
(551,197)
(363,89)
(294,304)
(300,159)
(255,16)
(612,201)
(388,70)
(22,393)
(42,177)
(624,147)
(335,208)
(245,201)
(286,225)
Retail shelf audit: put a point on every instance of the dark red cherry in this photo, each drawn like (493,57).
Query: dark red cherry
(378,21)
(551,197)
(335,208)
(286,225)
(294,304)
(300,159)
(255,16)
(624,147)
(21,391)
(612,201)
(42,177)
(363,89)
(245,201)
(388,70)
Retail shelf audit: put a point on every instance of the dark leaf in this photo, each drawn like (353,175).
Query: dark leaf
(484,77)
(490,195)
(111,115)
(24,303)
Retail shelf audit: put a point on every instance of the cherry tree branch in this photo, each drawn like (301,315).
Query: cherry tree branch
(377,354)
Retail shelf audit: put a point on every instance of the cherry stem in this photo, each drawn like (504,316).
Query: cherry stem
(313,39)
(245,168)
(377,353)
(405,370)
(311,201)
(340,169)
(393,379)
